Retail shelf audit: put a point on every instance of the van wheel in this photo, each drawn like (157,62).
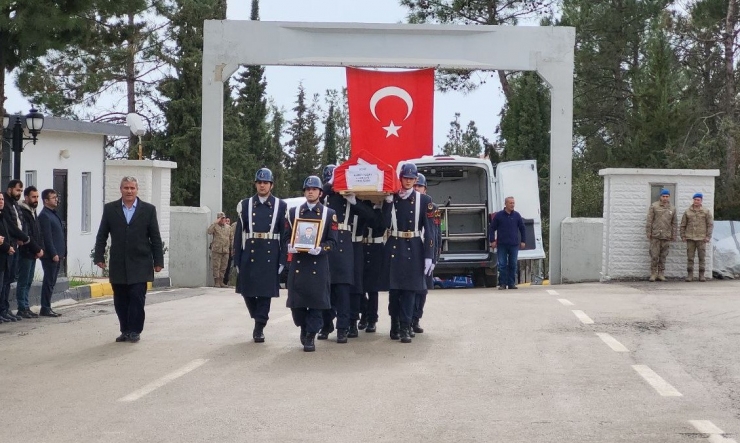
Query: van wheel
(479,279)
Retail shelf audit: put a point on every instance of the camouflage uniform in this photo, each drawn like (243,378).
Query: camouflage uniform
(220,249)
(696,230)
(661,230)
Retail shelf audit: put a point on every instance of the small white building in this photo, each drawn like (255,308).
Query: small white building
(69,157)
(628,194)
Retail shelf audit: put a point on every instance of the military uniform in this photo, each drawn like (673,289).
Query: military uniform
(308,275)
(410,242)
(220,248)
(696,229)
(374,239)
(661,229)
(342,263)
(421,297)
(260,248)
(230,263)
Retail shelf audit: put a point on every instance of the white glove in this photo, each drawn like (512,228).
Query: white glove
(292,250)
(389,198)
(377,206)
(427,266)
(280,269)
(431,270)
(314,251)
(351,198)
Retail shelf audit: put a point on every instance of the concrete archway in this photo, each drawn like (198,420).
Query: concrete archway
(547,50)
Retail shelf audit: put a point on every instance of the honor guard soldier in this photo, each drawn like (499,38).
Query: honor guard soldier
(372,268)
(408,251)
(308,273)
(357,291)
(421,296)
(342,260)
(260,250)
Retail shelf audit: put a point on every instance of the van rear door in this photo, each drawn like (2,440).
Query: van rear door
(518,179)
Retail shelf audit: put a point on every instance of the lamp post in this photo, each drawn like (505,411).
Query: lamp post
(34,123)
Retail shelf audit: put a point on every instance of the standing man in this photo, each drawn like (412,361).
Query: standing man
(697,224)
(420,298)
(220,248)
(135,255)
(260,250)
(30,252)
(308,277)
(17,236)
(661,231)
(372,268)
(408,251)
(506,232)
(56,249)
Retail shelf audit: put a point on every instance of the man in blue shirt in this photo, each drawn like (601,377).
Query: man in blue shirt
(506,232)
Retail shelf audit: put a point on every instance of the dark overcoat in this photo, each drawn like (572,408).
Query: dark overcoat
(404,257)
(136,247)
(308,275)
(5,246)
(373,254)
(258,259)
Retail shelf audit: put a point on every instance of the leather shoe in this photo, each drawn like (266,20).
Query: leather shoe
(5,315)
(258,335)
(512,287)
(341,336)
(324,333)
(48,313)
(353,331)
(133,337)
(16,317)
(25,313)
(122,337)
(416,327)
(370,327)
(362,324)
(501,287)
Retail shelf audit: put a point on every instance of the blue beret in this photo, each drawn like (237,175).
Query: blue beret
(698,195)
(664,191)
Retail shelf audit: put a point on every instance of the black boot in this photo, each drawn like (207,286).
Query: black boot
(416,327)
(341,336)
(405,334)
(395,329)
(412,334)
(370,326)
(353,332)
(324,332)
(309,345)
(362,324)
(303,335)
(257,334)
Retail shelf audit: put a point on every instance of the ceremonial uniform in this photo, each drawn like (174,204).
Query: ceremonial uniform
(260,251)
(409,245)
(420,298)
(308,275)
(374,239)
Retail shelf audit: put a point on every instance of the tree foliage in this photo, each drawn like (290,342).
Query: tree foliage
(303,156)
(466,143)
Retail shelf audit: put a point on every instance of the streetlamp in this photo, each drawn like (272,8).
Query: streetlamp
(34,123)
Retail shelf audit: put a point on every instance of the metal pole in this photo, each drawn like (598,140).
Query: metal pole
(17,147)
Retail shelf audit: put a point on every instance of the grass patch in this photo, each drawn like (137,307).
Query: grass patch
(75,282)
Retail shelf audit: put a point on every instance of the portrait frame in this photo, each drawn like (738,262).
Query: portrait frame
(302,241)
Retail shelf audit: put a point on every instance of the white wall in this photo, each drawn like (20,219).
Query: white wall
(154,178)
(582,240)
(626,202)
(86,154)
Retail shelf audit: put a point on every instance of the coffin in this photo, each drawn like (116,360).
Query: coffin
(366,176)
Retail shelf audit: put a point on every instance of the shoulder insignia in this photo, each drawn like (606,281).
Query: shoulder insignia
(430,206)
(334,226)
(334,218)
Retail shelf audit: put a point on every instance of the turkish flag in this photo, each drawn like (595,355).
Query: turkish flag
(391,113)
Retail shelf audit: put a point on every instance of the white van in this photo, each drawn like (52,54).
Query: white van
(468,191)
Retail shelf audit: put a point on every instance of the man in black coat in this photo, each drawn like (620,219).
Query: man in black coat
(30,252)
(6,249)
(135,255)
(16,237)
(52,231)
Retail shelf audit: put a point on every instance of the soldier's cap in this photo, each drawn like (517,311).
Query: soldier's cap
(665,191)
(698,195)
(220,214)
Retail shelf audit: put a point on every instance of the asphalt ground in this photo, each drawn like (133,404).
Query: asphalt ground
(617,362)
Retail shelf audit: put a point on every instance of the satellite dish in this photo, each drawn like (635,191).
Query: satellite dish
(134,122)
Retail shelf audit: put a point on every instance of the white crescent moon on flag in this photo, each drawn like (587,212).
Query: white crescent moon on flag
(389,91)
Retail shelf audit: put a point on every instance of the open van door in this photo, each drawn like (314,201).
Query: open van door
(518,179)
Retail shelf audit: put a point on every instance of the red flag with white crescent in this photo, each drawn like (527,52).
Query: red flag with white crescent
(391,113)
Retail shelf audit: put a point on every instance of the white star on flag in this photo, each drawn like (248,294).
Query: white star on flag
(391,129)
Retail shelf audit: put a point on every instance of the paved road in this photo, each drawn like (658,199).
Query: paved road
(579,363)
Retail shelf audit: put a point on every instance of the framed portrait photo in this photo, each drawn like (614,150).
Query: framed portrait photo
(306,234)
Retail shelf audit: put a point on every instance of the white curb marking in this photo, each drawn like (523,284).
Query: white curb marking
(656,381)
(716,434)
(565,302)
(193,365)
(612,342)
(585,319)
(552,292)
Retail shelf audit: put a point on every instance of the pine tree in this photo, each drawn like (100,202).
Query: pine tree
(179,141)
(304,143)
(467,143)
(338,99)
(239,165)
(277,157)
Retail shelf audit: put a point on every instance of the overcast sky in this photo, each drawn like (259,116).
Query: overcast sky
(482,105)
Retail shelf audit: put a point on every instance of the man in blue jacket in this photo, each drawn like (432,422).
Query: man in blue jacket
(506,232)
(56,249)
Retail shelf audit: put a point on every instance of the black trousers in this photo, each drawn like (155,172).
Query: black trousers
(129,302)
(11,275)
(355,305)
(308,318)
(259,308)
(401,305)
(420,299)
(51,272)
(227,273)
(339,307)
(369,308)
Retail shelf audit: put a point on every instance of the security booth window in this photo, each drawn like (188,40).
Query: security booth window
(655,189)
